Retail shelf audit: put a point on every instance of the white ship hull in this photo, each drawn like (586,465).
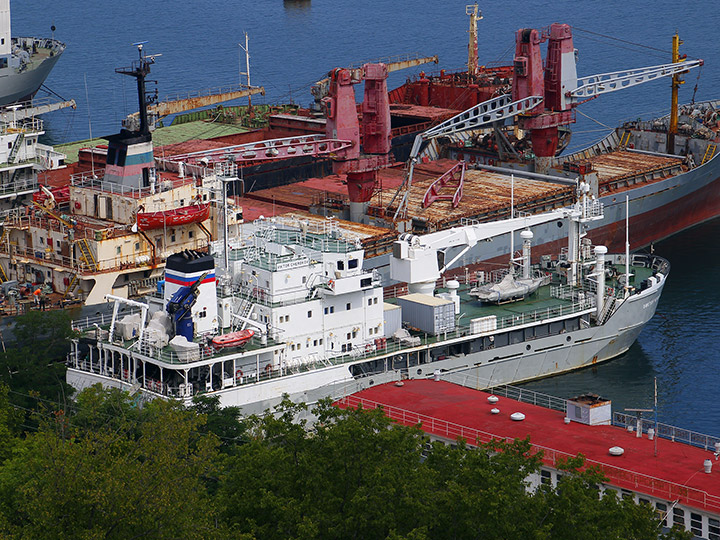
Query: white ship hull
(523,360)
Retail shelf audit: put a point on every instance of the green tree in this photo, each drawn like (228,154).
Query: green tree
(224,422)
(135,478)
(34,361)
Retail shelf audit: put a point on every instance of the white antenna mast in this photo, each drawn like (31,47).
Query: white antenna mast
(627,244)
(92,151)
(247,68)
(512,215)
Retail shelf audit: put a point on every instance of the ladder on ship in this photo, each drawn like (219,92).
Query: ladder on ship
(625,139)
(709,153)
(16,147)
(74,282)
(607,310)
(86,254)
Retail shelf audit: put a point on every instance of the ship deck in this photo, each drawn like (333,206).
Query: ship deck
(539,305)
(486,194)
(449,411)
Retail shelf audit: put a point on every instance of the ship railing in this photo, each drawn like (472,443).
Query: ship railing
(26,125)
(88,322)
(94,180)
(667,431)
(45,254)
(23,184)
(551,312)
(491,276)
(604,146)
(617,476)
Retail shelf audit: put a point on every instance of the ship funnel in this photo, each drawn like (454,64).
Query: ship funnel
(527,237)
(600,252)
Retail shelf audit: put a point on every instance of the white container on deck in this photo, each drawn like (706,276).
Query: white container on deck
(428,313)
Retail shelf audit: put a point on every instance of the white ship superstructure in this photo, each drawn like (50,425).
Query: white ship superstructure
(23,156)
(320,326)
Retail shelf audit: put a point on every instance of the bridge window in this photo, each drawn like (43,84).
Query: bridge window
(352,263)
(713,529)
(545,477)
(678,517)
(696,524)
(661,510)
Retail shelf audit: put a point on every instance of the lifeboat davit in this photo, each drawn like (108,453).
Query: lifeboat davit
(233,339)
(196,213)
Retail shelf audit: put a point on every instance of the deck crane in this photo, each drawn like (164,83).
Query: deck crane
(543,98)
(419,261)
(321,89)
(180,307)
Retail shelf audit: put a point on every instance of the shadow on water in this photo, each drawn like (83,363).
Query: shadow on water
(679,346)
(297,5)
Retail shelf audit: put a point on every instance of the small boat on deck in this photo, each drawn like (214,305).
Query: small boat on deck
(233,339)
(196,213)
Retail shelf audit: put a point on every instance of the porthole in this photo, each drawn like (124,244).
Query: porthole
(528,347)
(568,339)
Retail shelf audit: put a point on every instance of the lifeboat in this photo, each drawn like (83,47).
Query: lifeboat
(233,339)
(196,213)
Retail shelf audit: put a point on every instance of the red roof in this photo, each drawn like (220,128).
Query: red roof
(448,410)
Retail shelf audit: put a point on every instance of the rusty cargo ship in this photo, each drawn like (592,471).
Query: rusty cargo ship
(500,157)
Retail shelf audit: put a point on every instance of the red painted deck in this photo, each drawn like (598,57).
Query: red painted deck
(450,410)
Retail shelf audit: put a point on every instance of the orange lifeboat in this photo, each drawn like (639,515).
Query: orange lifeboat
(233,339)
(196,213)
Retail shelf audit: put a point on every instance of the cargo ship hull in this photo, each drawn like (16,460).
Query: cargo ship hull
(661,203)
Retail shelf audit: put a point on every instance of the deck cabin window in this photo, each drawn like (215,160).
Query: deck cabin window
(661,511)
(678,517)
(545,477)
(352,263)
(341,265)
(713,529)
(696,524)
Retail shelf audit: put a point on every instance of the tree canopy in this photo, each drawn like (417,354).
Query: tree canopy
(106,467)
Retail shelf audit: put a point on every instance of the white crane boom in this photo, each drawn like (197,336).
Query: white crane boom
(604,83)
(482,114)
(415,258)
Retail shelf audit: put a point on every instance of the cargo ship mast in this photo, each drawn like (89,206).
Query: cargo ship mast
(475,16)
(676,82)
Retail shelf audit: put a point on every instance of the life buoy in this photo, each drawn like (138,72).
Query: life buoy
(78,206)
(238,374)
(268,369)
(331,283)
(368,348)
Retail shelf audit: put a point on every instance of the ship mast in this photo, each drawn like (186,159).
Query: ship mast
(246,49)
(140,70)
(475,16)
(676,82)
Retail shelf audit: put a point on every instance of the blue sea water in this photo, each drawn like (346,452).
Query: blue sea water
(294,43)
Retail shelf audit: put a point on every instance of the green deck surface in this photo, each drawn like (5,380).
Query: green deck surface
(161,136)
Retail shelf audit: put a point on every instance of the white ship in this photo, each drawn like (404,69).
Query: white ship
(322,327)
(25,62)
